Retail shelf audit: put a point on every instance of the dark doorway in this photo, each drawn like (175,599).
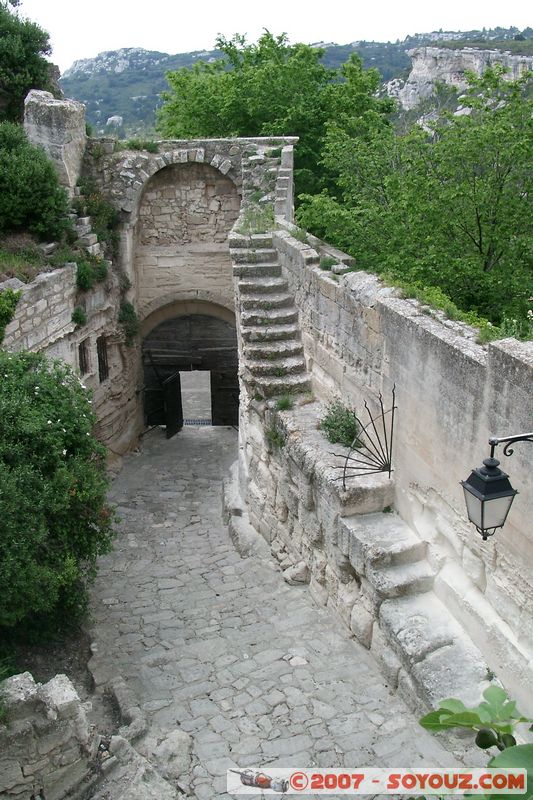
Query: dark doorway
(192,342)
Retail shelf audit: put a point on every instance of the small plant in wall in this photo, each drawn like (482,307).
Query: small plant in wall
(284,403)
(129,322)
(340,425)
(275,437)
(79,316)
(494,722)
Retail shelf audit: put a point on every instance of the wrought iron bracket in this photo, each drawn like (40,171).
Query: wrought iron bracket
(494,441)
(371,450)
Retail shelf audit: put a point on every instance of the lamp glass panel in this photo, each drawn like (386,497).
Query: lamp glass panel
(495,511)
(473,507)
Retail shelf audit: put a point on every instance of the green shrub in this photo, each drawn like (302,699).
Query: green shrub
(22,64)
(79,316)
(129,321)
(327,262)
(104,216)
(85,277)
(90,270)
(284,403)
(53,484)
(275,437)
(340,425)
(8,303)
(138,144)
(256,219)
(31,198)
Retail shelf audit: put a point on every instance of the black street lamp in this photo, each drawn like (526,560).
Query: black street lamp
(488,492)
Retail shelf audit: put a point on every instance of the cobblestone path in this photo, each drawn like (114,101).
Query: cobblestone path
(222,647)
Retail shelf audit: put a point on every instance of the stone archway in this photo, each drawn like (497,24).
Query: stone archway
(185,215)
(185,338)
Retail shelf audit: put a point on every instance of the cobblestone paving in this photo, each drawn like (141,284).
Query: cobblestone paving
(222,647)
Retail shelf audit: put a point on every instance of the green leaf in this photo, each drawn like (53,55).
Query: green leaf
(495,696)
(452,704)
(520,756)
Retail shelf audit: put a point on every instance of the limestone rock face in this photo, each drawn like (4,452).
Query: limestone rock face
(58,126)
(440,64)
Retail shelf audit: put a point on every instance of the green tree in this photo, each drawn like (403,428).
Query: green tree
(23,45)
(448,207)
(53,482)
(31,198)
(270,88)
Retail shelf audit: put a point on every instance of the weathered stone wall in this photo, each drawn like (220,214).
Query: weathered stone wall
(43,323)
(46,742)
(185,215)
(58,126)
(452,394)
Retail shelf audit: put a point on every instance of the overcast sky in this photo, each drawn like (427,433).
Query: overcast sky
(83,29)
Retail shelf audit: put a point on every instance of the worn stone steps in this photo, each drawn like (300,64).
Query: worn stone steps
(267,317)
(242,241)
(390,555)
(279,368)
(263,285)
(271,332)
(259,255)
(257,270)
(379,539)
(273,386)
(268,302)
(87,240)
(83,230)
(274,350)
(401,579)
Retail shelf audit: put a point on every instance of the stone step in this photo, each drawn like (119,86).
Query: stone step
(83,230)
(269,317)
(433,648)
(87,240)
(261,240)
(272,333)
(263,285)
(379,540)
(257,270)
(275,349)
(267,301)
(257,255)
(83,221)
(279,368)
(401,579)
(94,249)
(270,386)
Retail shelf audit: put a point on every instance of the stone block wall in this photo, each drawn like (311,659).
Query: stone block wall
(452,394)
(46,742)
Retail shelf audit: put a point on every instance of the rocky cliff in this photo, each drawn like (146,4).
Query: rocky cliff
(431,65)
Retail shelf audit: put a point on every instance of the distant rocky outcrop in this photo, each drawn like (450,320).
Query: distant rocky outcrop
(431,65)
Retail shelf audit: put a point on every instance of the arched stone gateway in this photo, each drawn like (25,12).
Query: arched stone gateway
(196,337)
(184,218)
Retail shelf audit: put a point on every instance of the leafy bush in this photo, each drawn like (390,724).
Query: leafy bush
(284,403)
(340,425)
(90,270)
(275,437)
(104,216)
(494,723)
(53,483)
(8,302)
(79,316)
(256,219)
(327,262)
(130,321)
(23,45)
(30,195)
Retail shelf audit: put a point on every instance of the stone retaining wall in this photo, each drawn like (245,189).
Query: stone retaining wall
(360,339)
(46,743)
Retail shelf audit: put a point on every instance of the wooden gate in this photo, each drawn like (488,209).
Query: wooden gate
(225,397)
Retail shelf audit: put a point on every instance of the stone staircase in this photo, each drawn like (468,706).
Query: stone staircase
(86,238)
(426,644)
(273,361)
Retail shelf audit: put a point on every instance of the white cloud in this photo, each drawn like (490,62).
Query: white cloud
(82,30)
